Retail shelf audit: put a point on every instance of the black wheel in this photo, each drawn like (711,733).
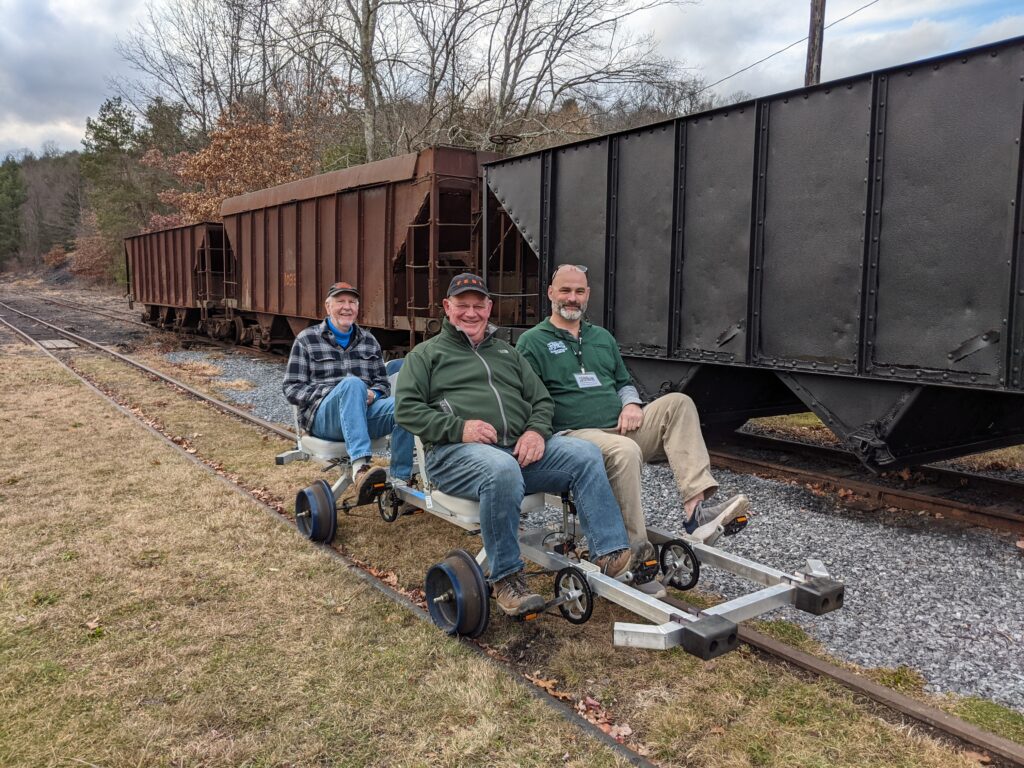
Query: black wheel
(576,610)
(457,595)
(679,564)
(389,506)
(315,514)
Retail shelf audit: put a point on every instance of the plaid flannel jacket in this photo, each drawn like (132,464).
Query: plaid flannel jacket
(316,364)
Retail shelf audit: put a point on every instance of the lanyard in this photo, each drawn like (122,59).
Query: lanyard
(578,351)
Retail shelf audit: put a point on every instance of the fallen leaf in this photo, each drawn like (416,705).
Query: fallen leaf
(979,757)
(93,623)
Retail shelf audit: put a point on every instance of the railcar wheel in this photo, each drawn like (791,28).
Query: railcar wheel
(316,516)
(576,610)
(679,564)
(457,595)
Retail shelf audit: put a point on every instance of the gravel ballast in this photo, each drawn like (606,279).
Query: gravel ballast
(938,597)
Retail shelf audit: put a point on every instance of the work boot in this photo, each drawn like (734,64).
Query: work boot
(644,564)
(645,570)
(514,597)
(730,516)
(615,563)
(369,482)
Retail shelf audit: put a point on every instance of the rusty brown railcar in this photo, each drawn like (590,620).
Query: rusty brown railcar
(398,228)
(179,274)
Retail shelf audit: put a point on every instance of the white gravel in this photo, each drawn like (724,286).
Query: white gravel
(940,598)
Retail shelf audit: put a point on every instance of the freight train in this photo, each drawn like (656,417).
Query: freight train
(851,248)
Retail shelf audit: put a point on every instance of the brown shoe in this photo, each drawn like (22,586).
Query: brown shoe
(514,597)
(614,564)
(369,483)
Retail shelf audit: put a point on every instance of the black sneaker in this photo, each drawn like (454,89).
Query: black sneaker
(514,597)
(369,483)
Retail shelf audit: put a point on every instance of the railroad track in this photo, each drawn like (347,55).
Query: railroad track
(1008,752)
(977,499)
(184,337)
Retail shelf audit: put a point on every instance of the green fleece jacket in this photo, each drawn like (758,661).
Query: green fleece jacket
(445,381)
(557,356)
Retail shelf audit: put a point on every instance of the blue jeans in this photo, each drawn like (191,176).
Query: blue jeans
(492,476)
(344,416)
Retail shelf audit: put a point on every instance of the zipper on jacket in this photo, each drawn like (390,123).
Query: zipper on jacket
(501,407)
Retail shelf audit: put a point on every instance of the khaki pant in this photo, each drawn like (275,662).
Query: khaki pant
(670,430)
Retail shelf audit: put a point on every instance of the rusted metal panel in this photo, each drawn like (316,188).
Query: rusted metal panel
(327,232)
(375,226)
(392,169)
(290,235)
(306,290)
(164,264)
(374,260)
(348,257)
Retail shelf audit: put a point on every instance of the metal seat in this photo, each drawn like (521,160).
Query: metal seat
(464,512)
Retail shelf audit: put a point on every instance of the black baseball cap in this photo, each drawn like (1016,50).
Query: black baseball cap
(467,281)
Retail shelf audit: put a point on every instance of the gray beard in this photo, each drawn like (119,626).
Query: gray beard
(572,315)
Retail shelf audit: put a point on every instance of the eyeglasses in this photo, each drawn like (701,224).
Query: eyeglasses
(578,267)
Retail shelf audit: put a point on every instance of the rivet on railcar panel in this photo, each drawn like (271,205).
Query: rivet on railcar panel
(945,375)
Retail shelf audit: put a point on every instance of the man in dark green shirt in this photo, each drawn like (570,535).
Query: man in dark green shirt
(595,400)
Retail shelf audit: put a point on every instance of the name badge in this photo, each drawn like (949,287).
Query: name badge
(586,380)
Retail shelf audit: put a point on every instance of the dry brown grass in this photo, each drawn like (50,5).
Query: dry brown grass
(237,385)
(740,710)
(151,616)
(200,369)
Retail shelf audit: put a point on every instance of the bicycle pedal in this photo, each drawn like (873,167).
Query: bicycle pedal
(735,526)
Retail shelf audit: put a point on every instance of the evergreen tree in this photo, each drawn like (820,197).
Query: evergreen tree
(12,195)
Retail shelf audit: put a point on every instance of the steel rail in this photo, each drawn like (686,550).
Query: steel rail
(930,716)
(92,310)
(1006,516)
(220,404)
(948,478)
(923,713)
(150,327)
(562,708)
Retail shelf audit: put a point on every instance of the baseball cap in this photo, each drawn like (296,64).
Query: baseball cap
(467,281)
(337,288)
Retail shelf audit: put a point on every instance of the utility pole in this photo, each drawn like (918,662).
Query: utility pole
(812,75)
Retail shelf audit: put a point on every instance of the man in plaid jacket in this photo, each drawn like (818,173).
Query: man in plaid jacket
(336,377)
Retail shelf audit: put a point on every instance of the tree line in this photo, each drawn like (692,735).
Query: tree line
(236,95)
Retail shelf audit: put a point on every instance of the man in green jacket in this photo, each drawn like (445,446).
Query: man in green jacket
(485,420)
(596,401)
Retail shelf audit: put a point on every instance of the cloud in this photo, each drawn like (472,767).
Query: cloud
(18,137)
(723,37)
(57,58)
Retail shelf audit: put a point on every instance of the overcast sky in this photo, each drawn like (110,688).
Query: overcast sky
(57,57)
